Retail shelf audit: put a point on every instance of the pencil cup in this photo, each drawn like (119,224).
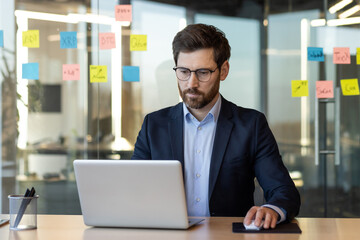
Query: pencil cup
(23,212)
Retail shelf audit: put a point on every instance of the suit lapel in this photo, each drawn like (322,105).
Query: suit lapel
(175,127)
(222,136)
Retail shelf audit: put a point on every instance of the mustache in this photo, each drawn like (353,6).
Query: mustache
(192,91)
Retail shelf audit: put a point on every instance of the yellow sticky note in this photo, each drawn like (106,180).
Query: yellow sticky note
(349,87)
(30,39)
(138,42)
(98,73)
(358,56)
(299,88)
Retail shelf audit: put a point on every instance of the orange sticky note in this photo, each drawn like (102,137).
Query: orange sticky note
(341,55)
(107,40)
(138,42)
(30,39)
(71,72)
(123,13)
(349,87)
(98,73)
(299,88)
(324,89)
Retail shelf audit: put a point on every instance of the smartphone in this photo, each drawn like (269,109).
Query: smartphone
(3,221)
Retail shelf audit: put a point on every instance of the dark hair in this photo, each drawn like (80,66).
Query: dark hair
(200,36)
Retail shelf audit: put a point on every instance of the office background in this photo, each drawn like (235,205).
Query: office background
(49,122)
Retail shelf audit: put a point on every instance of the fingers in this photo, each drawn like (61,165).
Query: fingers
(270,218)
(250,215)
(262,213)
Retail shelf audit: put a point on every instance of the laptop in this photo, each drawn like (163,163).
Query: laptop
(132,193)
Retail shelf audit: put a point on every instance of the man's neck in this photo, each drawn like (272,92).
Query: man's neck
(201,113)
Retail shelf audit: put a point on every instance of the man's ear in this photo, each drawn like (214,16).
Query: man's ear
(224,70)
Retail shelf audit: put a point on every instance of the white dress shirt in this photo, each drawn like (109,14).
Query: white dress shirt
(198,146)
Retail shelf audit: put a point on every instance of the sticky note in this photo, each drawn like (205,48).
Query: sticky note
(98,73)
(30,39)
(341,55)
(299,88)
(123,13)
(30,71)
(138,42)
(324,89)
(358,56)
(1,38)
(71,72)
(68,40)
(315,54)
(349,86)
(131,74)
(107,40)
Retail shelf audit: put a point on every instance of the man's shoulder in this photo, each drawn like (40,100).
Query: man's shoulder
(241,112)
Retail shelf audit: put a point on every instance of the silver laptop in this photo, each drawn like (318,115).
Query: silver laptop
(132,193)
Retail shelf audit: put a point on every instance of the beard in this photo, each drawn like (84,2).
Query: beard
(202,99)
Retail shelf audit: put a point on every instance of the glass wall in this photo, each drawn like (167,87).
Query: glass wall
(242,86)
(69,111)
(318,137)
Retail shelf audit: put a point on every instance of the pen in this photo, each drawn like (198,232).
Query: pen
(23,205)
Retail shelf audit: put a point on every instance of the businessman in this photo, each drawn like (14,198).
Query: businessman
(222,147)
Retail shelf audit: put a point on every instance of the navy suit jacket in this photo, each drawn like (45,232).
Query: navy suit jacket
(244,148)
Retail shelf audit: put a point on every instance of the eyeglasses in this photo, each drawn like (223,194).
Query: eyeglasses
(202,74)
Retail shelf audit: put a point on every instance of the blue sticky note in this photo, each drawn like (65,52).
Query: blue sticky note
(1,38)
(68,40)
(315,54)
(131,74)
(30,71)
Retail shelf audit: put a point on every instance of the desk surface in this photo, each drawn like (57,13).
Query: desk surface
(72,227)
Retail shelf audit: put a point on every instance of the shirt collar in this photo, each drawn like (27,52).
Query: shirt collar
(214,111)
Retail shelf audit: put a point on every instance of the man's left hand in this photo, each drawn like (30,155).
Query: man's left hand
(258,214)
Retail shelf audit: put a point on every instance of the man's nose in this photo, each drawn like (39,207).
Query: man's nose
(193,80)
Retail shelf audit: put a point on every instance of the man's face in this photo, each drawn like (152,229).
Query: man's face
(194,93)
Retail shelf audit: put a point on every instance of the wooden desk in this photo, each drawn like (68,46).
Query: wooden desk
(72,227)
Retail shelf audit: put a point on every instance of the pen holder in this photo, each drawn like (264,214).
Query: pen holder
(23,212)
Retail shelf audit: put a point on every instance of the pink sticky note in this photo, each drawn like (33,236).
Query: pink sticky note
(341,55)
(324,89)
(71,72)
(123,13)
(107,40)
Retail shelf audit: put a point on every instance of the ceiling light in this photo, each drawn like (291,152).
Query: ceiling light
(318,22)
(344,21)
(350,12)
(339,6)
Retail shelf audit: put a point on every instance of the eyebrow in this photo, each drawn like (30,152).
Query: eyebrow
(207,68)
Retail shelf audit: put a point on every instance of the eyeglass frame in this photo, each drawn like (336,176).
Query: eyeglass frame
(195,71)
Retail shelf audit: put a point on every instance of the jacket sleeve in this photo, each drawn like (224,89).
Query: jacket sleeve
(142,148)
(279,189)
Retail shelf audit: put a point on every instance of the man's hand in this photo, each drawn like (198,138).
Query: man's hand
(259,213)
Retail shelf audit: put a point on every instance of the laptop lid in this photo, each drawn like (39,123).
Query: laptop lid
(131,193)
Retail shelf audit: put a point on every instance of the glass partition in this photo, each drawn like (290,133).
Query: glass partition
(242,86)
(47,121)
(61,119)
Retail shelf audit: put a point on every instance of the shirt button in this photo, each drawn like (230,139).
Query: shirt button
(198,151)
(198,175)
(199,128)
(198,199)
